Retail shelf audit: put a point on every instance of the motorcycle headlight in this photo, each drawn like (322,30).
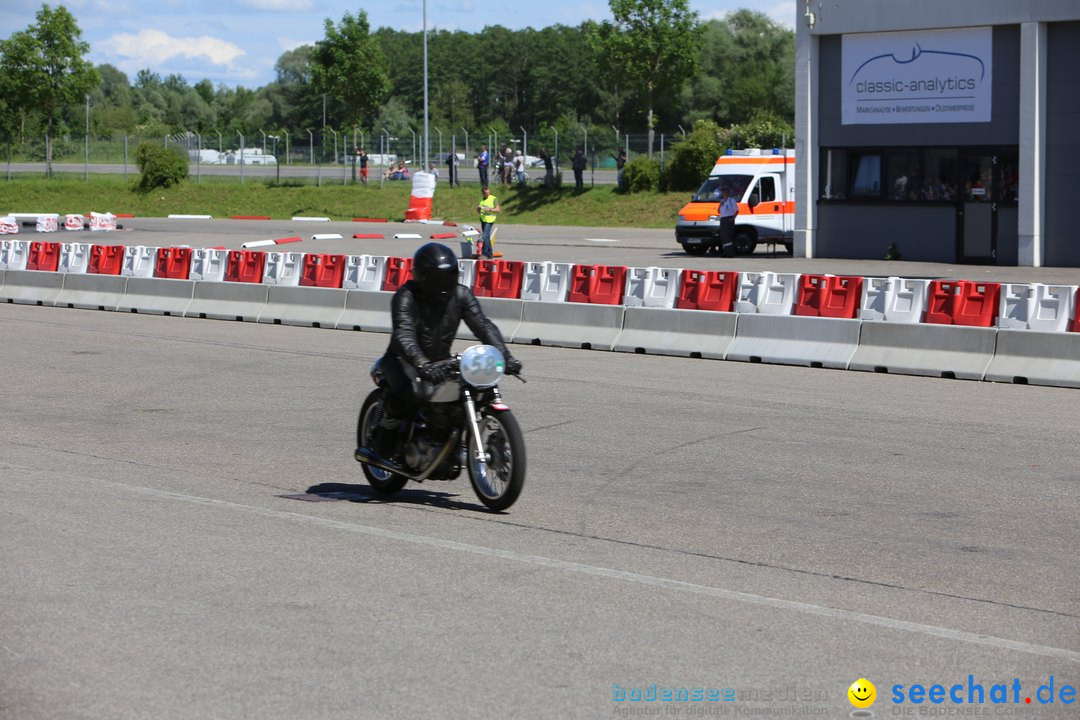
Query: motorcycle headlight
(482,366)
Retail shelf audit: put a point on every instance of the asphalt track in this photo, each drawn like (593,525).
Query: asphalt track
(183,533)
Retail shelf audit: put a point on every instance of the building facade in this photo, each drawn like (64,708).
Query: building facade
(942,130)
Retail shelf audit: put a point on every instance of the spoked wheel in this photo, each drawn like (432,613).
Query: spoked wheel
(499,481)
(383,481)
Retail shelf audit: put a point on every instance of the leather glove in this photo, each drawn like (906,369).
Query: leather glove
(513,366)
(434,373)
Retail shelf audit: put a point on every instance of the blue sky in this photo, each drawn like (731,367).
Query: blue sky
(237,42)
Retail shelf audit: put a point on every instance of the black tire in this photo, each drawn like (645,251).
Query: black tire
(382,481)
(505,445)
(696,249)
(745,242)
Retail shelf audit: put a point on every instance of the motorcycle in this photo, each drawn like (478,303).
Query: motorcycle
(481,433)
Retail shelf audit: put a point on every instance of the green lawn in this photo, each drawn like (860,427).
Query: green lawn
(598,206)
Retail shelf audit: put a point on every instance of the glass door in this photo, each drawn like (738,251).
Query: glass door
(976,210)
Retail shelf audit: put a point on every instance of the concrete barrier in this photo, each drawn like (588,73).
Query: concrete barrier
(795,340)
(665,331)
(924,349)
(32,287)
(305,306)
(1038,358)
(576,325)
(157,296)
(228,301)
(93,292)
(366,310)
(504,312)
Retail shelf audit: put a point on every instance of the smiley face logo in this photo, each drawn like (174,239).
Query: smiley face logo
(862,693)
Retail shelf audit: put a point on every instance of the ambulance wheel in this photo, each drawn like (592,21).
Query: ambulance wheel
(745,242)
(695,249)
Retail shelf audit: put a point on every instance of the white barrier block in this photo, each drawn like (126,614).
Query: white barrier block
(326,236)
(283,268)
(311,219)
(102,222)
(1053,308)
(546,281)
(407,236)
(466,272)
(1015,305)
(875,291)
(191,217)
(257,243)
(778,293)
(662,287)
(750,293)
(208,264)
(74,257)
(364,272)
(9,225)
(139,261)
(74,221)
(906,301)
(14,254)
(634,290)
(48,223)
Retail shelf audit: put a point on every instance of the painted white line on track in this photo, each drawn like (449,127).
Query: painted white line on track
(597,571)
(600,240)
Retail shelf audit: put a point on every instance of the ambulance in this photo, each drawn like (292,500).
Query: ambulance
(763,183)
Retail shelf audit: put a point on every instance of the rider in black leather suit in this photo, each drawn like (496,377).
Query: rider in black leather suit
(426,312)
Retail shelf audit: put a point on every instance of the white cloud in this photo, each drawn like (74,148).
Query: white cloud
(279,5)
(152,48)
(782,13)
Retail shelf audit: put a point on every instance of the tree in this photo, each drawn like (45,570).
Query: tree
(349,65)
(44,67)
(654,45)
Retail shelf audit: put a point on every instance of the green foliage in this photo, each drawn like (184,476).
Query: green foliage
(763,130)
(350,65)
(693,157)
(641,175)
(160,167)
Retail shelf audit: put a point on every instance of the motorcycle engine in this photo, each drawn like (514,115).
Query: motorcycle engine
(422,450)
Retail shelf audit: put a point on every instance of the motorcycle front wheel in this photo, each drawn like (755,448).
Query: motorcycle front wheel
(383,481)
(499,481)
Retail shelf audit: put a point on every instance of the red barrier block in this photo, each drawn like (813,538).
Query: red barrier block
(499,278)
(125,215)
(174,263)
(43,256)
(597,284)
(323,271)
(106,259)
(398,271)
(382,220)
(977,303)
(1076,321)
(443,236)
(707,290)
(244,266)
(843,294)
(368,236)
(283,241)
(810,294)
(963,302)
(941,301)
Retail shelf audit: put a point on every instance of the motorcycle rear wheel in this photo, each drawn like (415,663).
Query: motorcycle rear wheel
(498,483)
(383,481)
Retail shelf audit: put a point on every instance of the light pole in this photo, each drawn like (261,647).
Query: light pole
(440,139)
(524,145)
(198,158)
(220,143)
(592,175)
(286,134)
(86,164)
(466,143)
(311,142)
(556,149)
(241,156)
(413,146)
(264,140)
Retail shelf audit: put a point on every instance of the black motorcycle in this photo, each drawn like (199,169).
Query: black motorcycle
(463,422)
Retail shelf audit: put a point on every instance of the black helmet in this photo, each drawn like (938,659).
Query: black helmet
(435,270)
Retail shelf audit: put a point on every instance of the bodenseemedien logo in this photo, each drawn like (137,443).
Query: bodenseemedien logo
(862,694)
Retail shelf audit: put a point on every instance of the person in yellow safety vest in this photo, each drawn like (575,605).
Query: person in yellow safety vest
(489,209)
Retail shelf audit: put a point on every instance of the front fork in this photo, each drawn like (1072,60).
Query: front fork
(474,425)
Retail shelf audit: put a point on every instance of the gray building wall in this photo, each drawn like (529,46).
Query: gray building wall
(921,232)
(1062,144)
(1003,129)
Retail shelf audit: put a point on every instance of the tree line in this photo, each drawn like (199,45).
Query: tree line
(655,67)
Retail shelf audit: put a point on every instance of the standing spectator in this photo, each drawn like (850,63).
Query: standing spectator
(729,209)
(451,169)
(489,210)
(482,161)
(507,165)
(434,171)
(362,159)
(620,163)
(549,170)
(579,168)
(519,168)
